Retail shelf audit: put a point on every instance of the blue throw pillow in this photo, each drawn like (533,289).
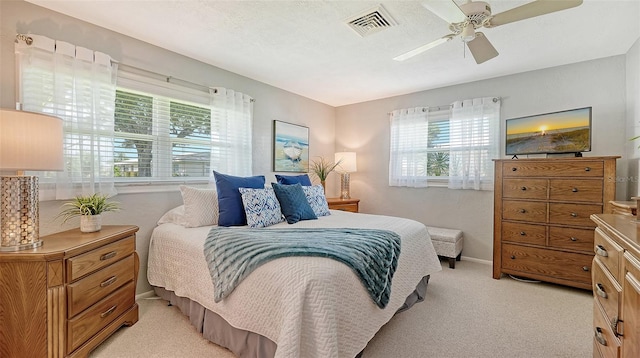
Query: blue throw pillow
(294,179)
(293,202)
(229,199)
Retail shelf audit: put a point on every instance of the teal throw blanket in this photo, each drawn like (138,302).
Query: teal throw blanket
(233,253)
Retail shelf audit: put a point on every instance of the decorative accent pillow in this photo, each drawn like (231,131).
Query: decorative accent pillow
(200,206)
(173,216)
(317,200)
(229,200)
(261,207)
(293,203)
(293,179)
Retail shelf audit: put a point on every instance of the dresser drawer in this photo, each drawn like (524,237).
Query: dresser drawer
(606,291)
(557,264)
(525,233)
(572,239)
(524,188)
(589,191)
(608,252)
(606,341)
(553,169)
(81,265)
(96,317)
(524,211)
(94,287)
(631,306)
(573,214)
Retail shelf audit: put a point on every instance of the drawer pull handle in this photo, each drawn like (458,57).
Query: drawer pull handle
(524,188)
(108,255)
(587,169)
(513,257)
(574,215)
(522,211)
(614,326)
(601,251)
(600,337)
(575,190)
(108,281)
(108,312)
(600,290)
(522,233)
(514,169)
(585,268)
(573,239)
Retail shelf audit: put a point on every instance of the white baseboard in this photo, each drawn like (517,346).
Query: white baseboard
(481,261)
(144,295)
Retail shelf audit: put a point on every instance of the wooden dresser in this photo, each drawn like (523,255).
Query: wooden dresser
(542,228)
(616,286)
(343,204)
(66,297)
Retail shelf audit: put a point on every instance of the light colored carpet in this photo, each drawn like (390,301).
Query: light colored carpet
(466,314)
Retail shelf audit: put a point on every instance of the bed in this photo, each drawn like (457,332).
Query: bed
(293,306)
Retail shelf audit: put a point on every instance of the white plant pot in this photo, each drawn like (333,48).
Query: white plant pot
(90,223)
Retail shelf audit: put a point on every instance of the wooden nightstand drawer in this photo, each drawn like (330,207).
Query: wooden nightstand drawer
(573,214)
(606,291)
(98,316)
(609,253)
(343,204)
(576,190)
(606,341)
(524,233)
(93,288)
(81,265)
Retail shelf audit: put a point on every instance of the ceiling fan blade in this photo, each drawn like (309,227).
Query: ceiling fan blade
(424,48)
(532,9)
(447,10)
(481,49)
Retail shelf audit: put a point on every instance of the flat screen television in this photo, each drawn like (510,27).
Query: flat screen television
(557,132)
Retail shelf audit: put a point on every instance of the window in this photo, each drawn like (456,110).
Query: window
(452,147)
(160,138)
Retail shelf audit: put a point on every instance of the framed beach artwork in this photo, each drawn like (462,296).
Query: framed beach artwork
(290,147)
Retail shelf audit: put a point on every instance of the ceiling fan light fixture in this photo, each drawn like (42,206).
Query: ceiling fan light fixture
(468,33)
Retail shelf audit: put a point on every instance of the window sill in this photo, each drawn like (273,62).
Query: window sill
(157,186)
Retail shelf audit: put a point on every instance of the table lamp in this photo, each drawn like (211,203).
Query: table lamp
(347,165)
(28,141)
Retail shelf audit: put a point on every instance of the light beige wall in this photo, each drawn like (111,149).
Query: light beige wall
(364,128)
(145,209)
(633,120)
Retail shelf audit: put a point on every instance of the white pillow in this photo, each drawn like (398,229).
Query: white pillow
(173,216)
(317,200)
(200,206)
(261,206)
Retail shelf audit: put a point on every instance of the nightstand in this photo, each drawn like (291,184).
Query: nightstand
(67,296)
(343,204)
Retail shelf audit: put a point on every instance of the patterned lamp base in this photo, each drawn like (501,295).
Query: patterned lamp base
(344,186)
(19,224)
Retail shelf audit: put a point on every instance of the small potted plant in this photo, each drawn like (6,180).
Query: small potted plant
(89,209)
(322,168)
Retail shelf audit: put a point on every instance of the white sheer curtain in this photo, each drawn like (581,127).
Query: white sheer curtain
(231,127)
(474,141)
(408,147)
(79,86)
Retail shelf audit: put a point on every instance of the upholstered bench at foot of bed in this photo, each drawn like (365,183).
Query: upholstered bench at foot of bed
(447,242)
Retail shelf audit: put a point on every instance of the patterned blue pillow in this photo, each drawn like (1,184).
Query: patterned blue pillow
(317,200)
(293,179)
(261,207)
(229,199)
(293,202)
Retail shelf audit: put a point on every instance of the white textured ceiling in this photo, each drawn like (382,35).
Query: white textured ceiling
(305,47)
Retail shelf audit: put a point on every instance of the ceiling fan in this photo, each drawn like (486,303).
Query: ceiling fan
(465,19)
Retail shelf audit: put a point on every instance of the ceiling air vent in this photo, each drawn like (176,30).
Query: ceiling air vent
(371,21)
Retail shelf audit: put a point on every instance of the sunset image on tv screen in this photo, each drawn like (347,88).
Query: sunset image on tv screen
(560,132)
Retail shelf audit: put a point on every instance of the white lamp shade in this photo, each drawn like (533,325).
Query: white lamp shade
(347,162)
(30,141)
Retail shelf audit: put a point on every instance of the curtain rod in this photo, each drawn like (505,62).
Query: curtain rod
(444,106)
(169,79)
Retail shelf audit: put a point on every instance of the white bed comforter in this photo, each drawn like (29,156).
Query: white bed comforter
(308,306)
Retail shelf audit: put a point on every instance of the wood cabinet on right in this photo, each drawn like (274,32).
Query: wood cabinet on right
(616,286)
